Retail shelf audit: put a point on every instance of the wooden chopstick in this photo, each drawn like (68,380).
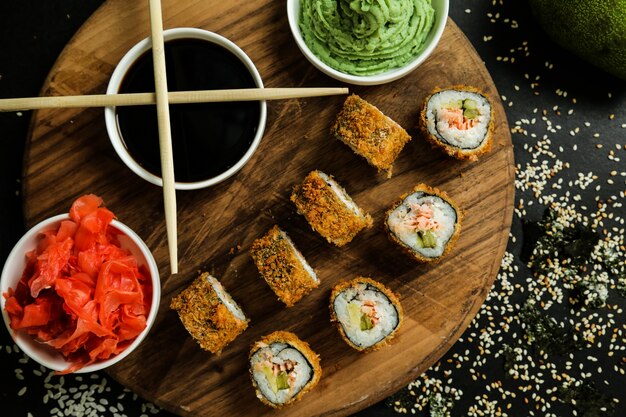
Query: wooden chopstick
(165,134)
(175,97)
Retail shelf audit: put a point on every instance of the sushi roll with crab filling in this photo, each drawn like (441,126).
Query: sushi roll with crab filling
(367,313)
(283,368)
(425,223)
(329,209)
(283,267)
(209,313)
(369,133)
(458,120)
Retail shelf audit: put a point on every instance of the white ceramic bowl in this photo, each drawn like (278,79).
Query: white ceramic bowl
(441,17)
(12,272)
(118,75)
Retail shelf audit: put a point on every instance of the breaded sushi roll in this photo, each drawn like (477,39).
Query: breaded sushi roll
(458,120)
(367,313)
(329,209)
(209,313)
(283,368)
(369,133)
(424,223)
(283,267)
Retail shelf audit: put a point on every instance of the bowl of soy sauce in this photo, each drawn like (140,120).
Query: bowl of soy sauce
(211,141)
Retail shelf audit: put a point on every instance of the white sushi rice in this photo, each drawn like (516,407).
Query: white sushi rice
(385,310)
(303,261)
(226,299)
(341,194)
(464,139)
(443,213)
(278,353)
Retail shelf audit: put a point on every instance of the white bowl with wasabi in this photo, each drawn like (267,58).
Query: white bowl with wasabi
(367,44)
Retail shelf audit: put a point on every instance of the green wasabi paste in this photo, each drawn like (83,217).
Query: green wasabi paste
(365,37)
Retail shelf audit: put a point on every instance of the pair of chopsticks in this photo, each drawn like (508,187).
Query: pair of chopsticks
(165,139)
(162,98)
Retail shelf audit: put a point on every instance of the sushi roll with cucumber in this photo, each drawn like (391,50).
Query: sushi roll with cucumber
(367,313)
(329,209)
(209,313)
(458,120)
(424,223)
(283,368)
(283,267)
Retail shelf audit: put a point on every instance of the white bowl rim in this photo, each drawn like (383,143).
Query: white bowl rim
(293,8)
(60,364)
(118,75)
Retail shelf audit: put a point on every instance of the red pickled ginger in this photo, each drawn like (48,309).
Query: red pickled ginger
(81,293)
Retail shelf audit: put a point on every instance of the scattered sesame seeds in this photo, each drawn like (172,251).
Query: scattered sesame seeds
(535,382)
(548,178)
(69,395)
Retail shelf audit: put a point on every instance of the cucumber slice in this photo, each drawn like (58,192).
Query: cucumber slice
(470,108)
(468,103)
(470,113)
(354,313)
(276,382)
(366,322)
(282,382)
(420,241)
(430,240)
(426,239)
(455,104)
(271,378)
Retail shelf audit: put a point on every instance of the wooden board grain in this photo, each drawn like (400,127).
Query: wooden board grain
(68,154)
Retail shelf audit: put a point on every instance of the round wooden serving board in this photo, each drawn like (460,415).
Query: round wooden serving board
(69,154)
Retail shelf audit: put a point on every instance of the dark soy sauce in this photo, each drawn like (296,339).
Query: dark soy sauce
(207,138)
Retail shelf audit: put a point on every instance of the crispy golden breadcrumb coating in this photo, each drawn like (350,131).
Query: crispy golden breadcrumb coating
(279,265)
(301,346)
(453,151)
(204,315)
(342,286)
(325,212)
(369,133)
(457,227)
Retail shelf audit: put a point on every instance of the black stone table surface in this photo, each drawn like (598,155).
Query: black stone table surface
(550,340)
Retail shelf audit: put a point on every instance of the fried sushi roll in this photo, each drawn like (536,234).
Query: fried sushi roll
(283,368)
(209,313)
(367,313)
(329,209)
(283,267)
(424,223)
(458,120)
(369,133)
